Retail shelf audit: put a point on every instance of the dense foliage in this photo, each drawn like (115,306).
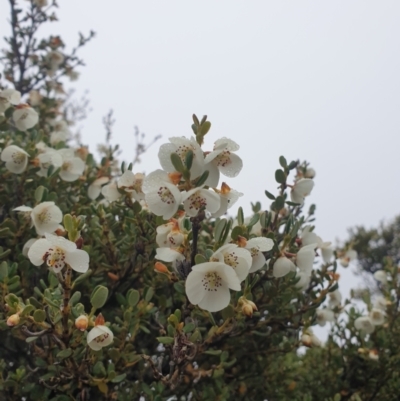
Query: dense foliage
(118,286)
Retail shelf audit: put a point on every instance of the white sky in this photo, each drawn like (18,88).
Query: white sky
(308,79)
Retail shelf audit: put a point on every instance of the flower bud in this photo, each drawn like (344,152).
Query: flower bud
(99,320)
(310,173)
(82,322)
(248,307)
(373,354)
(13,320)
(161,268)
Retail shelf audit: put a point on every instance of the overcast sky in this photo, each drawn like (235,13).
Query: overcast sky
(308,79)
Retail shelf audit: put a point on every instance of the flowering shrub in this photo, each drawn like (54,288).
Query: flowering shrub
(117,285)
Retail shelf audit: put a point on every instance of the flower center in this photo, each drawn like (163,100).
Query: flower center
(45,216)
(196,201)
(66,166)
(231,259)
(211,281)
(182,150)
(165,195)
(223,159)
(18,157)
(101,338)
(55,258)
(254,251)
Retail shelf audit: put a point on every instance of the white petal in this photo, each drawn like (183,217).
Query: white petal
(110,192)
(154,180)
(263,244)
(23,209)
(127,179)
(38,250)
(164,200)
(282,266)
(305,258)
(377,316)
(215,301)
(78,260)
(364,325)
(168,255)
(28,245)
(327,254)
(227,274)
(61,242)
(229,165)
(226,143)
(213,175)
(96,332)
(25,118)
(194,288)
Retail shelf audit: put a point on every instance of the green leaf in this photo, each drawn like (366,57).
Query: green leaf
(202,179)
(40,193)
(219,228)
(65,353)
(177,163)
(189,327)
(204,128)
(99,296)
(27,310)
(133,297)
(280,176)
(278,204)
(149,294)
(165,340)
(254,220)
(283,162)
(3,270)
(269,195)
(189,159)
(119,378)
(75,298)
(39,315)
(199,259)
(236,232)
(213,352)
(240,216)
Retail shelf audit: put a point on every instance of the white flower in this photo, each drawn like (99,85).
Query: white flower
(16,159)
(326,251)
(309,339)
(55,59)
(208,285)
(50,157)
(309,237)
(282,266)
(324,315)
(72,167)
(238,258)
(228,197)
(94,189)
(60,132)
(364,325)
(161,194)
(169,235)
(110,192)
(380,303)
(198,198)
(34,98)
(221,159)
(305,258)
(25,117)
(132,183)
(381,276)
(301,189)
(100,336)
(348,257)
(46,217)
(377,316)
(56,252)
(257,246)
(180,146)
(335,299)
(7,98)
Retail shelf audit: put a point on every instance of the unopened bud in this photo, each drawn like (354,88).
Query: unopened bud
(13,320)
(306,340)
(82,322)
(248,307)
(241,241)
(161,268)
(99,320)
(373,354)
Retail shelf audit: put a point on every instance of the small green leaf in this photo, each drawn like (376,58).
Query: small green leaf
(280,176)
(236,232)
(133,297)
(149,294)
(27,310)
(39,316)
(3,270)
(177,163)
(165,340)
(119,378)
(65,353)
(219,228)
(99,296)
(283,162)
(202,179)
(75,298)
(269,195)
(199,259)
(40,193)
(213,352)
(189,327)
(189,159)
(240,216)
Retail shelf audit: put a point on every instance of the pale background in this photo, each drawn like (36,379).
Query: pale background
(307,79)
